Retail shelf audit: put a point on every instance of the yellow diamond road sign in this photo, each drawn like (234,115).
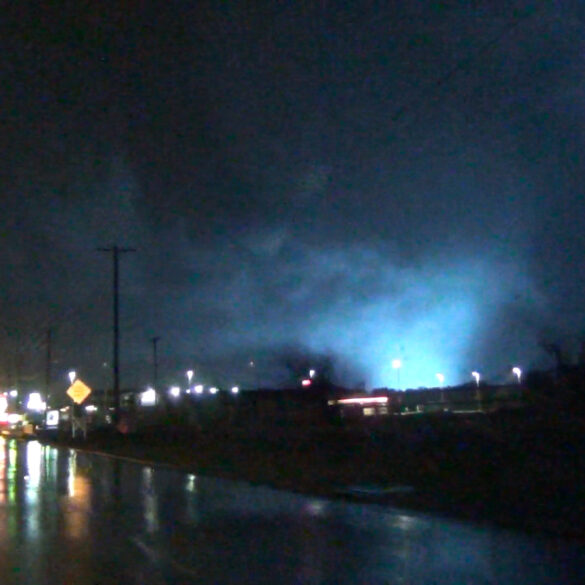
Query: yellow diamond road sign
(78,391)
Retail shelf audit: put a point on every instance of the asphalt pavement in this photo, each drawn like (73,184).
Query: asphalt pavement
(75,517)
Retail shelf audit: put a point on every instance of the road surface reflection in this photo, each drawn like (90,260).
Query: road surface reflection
(73,517)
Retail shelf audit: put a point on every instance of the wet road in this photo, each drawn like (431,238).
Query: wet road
(69,517)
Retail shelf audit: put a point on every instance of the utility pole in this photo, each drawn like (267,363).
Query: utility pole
(116,251)
(48,369)
(155,362)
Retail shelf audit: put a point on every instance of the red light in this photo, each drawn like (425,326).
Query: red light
(306,382)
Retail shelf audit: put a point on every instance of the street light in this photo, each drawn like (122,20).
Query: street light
(235,389)
(396,365)
(312,373)
(189,374)
(148,397)
(72,375)
(254,373)
(518,373)
(477,391)
(441,379)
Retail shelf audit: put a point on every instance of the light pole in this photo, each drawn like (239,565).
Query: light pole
(396,365)
(518,373)
(72,375)
(116,251)
(476,376)
(254,371)
(189,374)
(441,379)
(155,341)
(48,368)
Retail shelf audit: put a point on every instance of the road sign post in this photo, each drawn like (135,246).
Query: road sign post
(78,392)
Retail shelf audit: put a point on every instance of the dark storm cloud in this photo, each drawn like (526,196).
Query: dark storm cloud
(360,181)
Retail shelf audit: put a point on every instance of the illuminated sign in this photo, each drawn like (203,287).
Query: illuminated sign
(52,419)
(35,402)
(364,400)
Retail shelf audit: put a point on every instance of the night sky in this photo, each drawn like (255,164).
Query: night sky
(324,184)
